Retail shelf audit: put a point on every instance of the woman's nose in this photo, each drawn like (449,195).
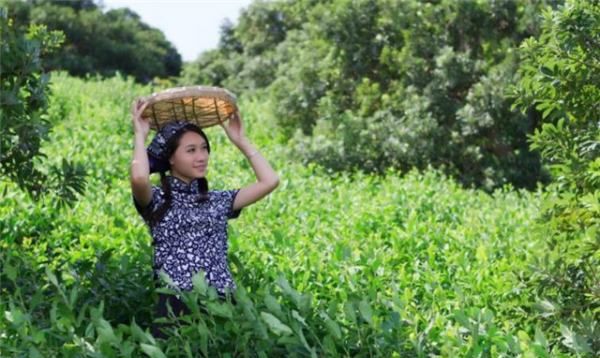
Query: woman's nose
(202,156)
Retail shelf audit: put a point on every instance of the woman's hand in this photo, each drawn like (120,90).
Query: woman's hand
(235,129)
(141,125)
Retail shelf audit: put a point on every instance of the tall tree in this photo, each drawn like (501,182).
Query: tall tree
(97,42)
(373,84)
(23,124)
(561,81)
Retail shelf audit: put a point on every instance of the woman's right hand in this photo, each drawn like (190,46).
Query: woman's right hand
(140,125)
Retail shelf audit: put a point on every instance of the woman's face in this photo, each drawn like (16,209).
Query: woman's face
(190,159)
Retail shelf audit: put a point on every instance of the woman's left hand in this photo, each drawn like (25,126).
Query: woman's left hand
(234,129)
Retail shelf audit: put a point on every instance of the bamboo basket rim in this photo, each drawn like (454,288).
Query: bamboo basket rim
(204,106)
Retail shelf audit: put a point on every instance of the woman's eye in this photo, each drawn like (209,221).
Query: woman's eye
(191,150)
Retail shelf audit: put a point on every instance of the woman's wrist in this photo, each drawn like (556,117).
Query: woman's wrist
(244,145)
(140,136)
(251,154)
(248,150)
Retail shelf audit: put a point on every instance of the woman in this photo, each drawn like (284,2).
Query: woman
(188,223)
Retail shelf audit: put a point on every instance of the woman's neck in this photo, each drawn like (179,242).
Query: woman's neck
(183,178)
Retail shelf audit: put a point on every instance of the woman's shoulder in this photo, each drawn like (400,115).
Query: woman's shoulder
(155,200)
(223,201)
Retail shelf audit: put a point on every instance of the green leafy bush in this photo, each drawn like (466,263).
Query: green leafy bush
(97,41)
(23,118)
(371,85)
(410,264)
(560,79)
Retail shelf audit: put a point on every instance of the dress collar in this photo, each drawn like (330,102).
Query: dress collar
(179,186)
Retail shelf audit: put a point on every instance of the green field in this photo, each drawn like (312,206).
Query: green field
(406,264)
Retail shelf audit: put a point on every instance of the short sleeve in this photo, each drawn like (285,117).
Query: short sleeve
(152,205)
(225,203)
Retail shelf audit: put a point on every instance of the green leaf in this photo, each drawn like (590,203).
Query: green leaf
(142,336)
(10,271)
(34,353)
(329,345)
(51,276)
(273,305)
(288,290)
(546,307)
(299,318)
(462,319)
(106,333)
(574,341)
(350,312)
(540,338)
(15,316)
(275,324)
(199,282)
(332,326)
(152,351)
(220,309)
(365,311)
(547,111)
(73,296)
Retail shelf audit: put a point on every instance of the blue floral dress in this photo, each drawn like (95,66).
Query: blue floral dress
(192,236)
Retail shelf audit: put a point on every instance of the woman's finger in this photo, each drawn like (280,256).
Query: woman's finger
(141,109)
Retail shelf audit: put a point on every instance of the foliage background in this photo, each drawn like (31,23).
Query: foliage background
(370,85)
(396,255)
(98,42)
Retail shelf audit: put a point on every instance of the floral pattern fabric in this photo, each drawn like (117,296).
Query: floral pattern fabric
(192,236)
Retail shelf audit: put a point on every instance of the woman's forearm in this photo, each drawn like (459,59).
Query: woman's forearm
(140,168)
(263,170)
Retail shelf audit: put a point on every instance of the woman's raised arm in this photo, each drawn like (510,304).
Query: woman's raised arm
(267,179)
(140,168)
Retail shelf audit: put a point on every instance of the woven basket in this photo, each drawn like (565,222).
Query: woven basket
(202,105)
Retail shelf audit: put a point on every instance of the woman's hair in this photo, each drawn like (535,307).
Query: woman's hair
(171,147)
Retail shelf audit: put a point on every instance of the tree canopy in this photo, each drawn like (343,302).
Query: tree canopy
(24,92)
(368,85)
(97,42)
